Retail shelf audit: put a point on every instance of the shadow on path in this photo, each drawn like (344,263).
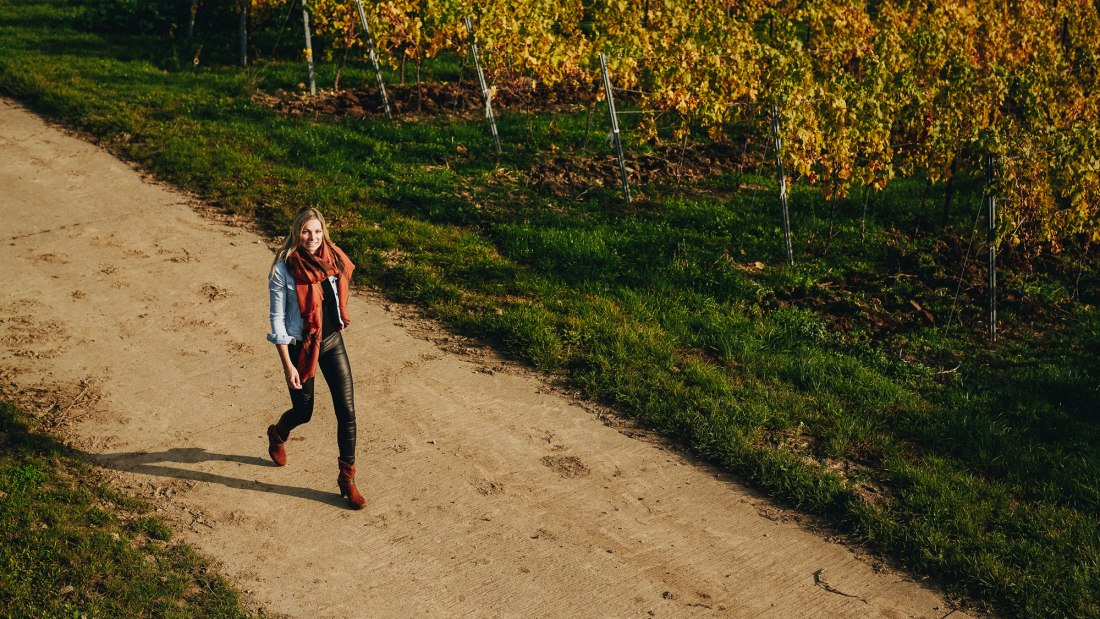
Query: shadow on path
(153,463)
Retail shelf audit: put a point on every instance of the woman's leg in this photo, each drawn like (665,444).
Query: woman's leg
(333,363)
(301,401)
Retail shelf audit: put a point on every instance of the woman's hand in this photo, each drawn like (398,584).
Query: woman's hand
(292,379)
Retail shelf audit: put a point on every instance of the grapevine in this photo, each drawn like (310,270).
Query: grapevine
(865,92)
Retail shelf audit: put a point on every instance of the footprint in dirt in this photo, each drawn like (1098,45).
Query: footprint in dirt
(240,348)
(213,292)
(49,258)
(568,467)
(490,488)
(26,335)
(184,258)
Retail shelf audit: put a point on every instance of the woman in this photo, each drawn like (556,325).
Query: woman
(309,290)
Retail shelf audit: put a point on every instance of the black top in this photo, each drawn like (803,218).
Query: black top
(330,313)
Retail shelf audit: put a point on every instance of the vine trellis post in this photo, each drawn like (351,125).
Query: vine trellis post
(309,50)
(616,136)
(191,19)
(374,58)
(485,92)
(244,32)
(782,183)
(991,234)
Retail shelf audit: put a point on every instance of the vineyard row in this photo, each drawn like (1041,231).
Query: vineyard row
(866,91)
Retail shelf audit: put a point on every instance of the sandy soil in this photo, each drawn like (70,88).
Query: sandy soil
(137,323)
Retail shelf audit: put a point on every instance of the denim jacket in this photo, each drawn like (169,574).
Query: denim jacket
(286,317)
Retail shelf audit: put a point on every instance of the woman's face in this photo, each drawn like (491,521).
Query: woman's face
(312,236)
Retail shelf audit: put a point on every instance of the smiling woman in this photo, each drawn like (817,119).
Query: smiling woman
(308,282)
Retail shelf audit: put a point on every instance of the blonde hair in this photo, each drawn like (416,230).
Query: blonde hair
(290,243)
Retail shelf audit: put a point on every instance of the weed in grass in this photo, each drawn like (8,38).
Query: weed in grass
(152,527)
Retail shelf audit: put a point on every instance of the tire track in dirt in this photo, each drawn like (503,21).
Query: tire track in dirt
(489,495)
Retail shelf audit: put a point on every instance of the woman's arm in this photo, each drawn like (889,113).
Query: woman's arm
(289,371)
(277,289)
(279,336)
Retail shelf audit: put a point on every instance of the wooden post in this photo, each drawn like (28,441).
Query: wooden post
(191,19)
(782,183)
(616,137)
(485,92)
(991,216)
(373,58)
(309,50)
(244,32)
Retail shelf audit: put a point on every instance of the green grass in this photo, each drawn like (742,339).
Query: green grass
(820,383)
(72,546)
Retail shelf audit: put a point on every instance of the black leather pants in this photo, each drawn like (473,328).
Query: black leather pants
(333,365)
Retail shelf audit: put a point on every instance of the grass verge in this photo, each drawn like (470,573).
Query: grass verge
(852,385)
(72,546)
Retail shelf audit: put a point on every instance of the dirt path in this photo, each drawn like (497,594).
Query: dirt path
(489,494)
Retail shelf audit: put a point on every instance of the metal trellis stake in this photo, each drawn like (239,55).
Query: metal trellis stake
(616,137)
(374,58)
(782,183)
(244,33)
(991,206)
(309,50)
(191,19)
(485,92)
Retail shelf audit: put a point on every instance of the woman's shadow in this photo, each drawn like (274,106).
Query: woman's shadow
(155,463)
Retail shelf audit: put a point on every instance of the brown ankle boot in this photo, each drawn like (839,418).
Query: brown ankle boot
(346,481)
(276,446)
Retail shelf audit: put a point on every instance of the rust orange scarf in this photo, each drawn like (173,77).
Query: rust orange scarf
(309,270)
